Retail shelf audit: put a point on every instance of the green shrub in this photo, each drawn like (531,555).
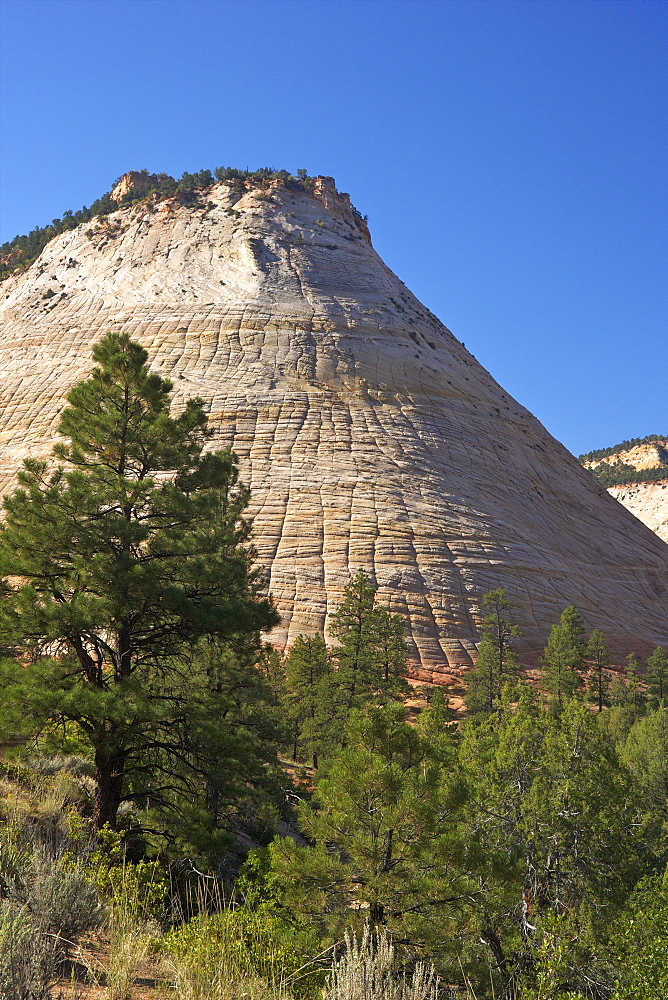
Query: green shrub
(139,889)
(241,951)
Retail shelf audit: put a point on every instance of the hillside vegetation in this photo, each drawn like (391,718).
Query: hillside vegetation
(624,468)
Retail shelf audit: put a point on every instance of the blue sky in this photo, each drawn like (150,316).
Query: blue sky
(511,157)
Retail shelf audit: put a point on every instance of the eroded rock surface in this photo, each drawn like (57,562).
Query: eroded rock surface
(137,182)
(369,436)
(646,501)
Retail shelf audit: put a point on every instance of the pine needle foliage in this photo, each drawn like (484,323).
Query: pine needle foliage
(497,662)
(124,567)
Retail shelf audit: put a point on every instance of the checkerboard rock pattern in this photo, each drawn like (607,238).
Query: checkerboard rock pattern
(369,436)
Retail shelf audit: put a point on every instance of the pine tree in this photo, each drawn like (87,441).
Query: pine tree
(563,657)
(391,655)
(497,661)
(625,693)
(309,698)
(657,677)
(353,624)
(635,697)
(483,686)
(597,656)
(383,831)
(120,566)
(371,654)
(571,622)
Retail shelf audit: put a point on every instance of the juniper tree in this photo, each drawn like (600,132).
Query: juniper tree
(645,751)
(120,564)
(555,811)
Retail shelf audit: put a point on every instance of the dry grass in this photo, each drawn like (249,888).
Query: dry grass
(367,971)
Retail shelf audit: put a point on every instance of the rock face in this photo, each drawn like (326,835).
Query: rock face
(646,501)
(137,182)
(369,436)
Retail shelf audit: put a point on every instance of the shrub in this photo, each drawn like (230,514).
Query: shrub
(48,898)
(366,971)
(239,951)
(29,958)
(136,889)
(59,897)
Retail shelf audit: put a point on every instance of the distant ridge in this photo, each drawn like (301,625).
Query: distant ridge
(638,460)
(600,453)
(635,472)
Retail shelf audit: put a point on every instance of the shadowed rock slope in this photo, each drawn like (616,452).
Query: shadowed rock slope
(369,436)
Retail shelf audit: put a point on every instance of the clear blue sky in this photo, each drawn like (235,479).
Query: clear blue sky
(511,157)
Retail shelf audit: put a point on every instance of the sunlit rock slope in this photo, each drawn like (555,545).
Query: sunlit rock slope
(369,436)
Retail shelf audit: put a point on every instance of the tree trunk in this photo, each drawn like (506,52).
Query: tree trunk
(109,769)
(489,937)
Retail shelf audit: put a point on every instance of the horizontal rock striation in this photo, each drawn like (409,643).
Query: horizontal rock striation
(369,436)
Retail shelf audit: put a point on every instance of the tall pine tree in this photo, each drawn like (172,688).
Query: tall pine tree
(563,657)
(384,831)
(657,677)
(118,565)
(371,654)
(310,698)
(626,693)
(597,656)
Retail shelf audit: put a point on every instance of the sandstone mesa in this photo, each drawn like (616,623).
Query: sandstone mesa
(369,436)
